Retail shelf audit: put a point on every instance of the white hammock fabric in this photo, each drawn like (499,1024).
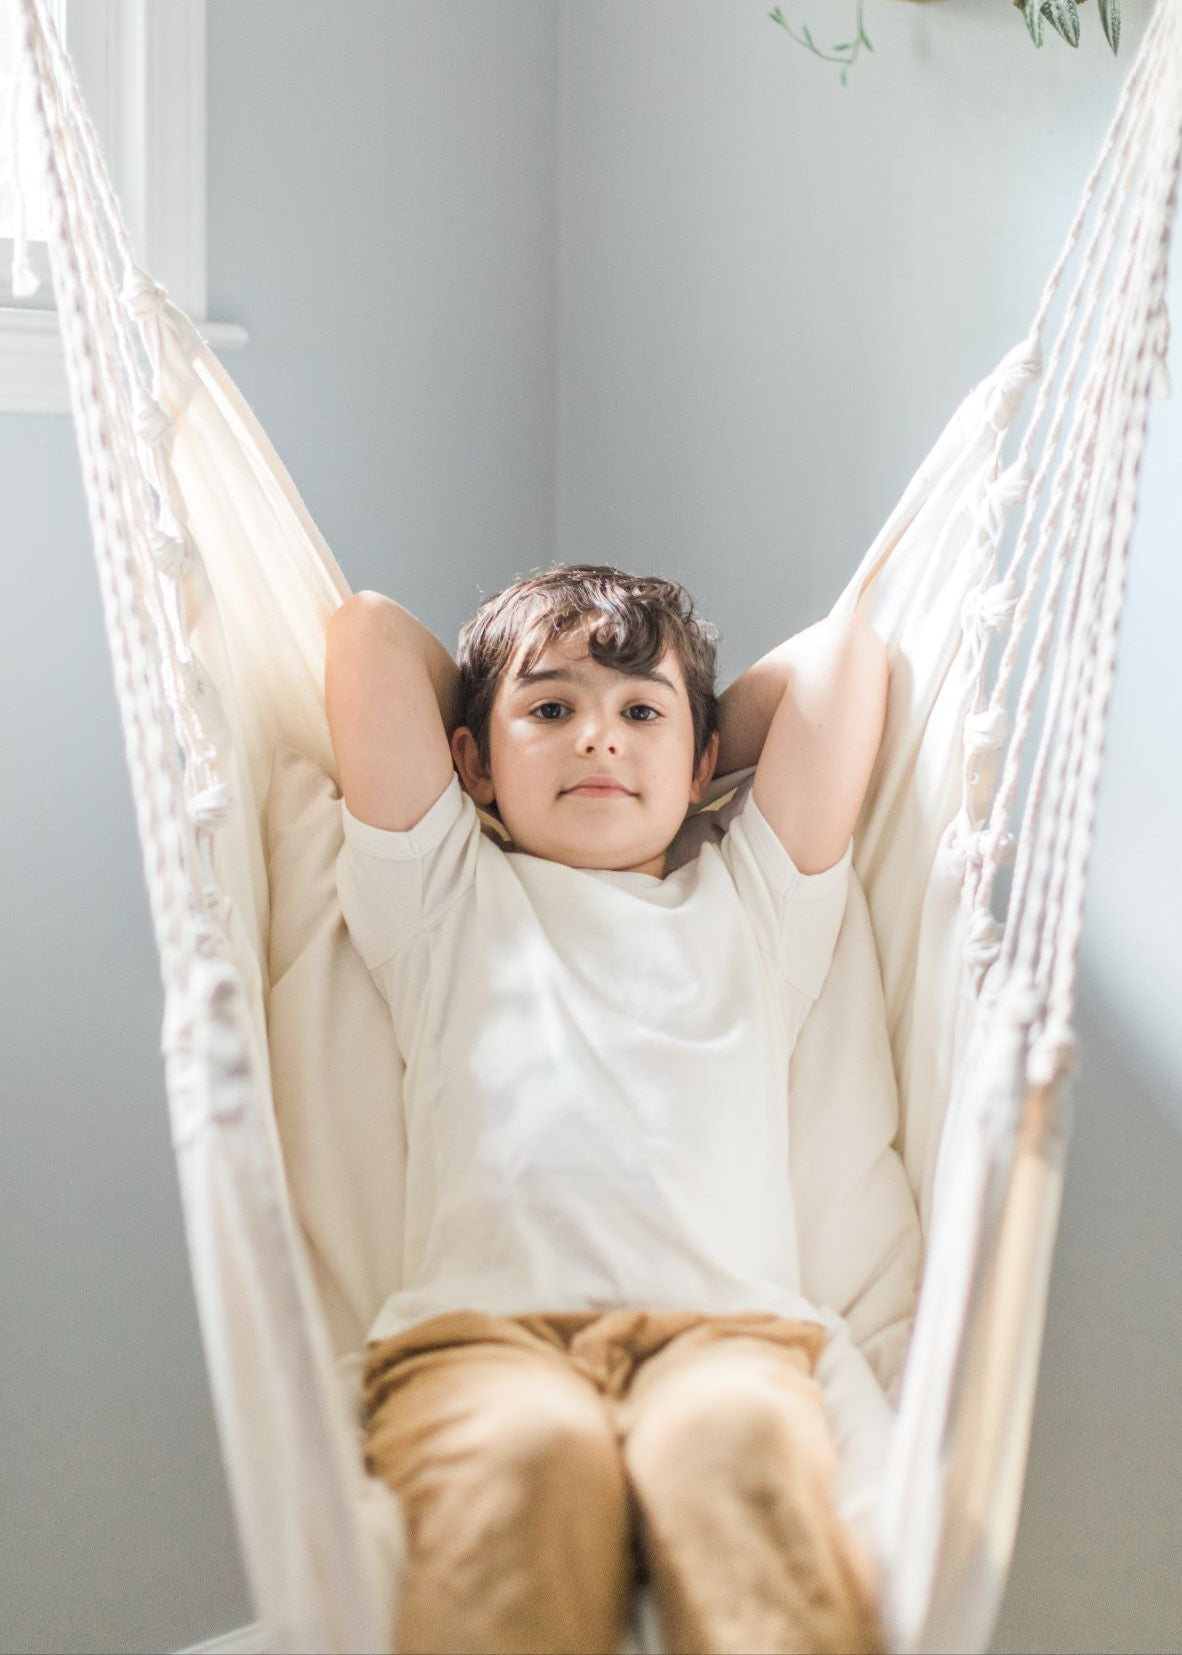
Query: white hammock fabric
(216,589)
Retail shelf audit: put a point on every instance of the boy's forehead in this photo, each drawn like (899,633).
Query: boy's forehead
(569,654)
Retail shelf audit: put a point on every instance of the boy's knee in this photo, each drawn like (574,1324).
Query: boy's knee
(556,1440)
(697,1436)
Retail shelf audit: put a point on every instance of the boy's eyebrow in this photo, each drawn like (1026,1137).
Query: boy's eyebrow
(565,676)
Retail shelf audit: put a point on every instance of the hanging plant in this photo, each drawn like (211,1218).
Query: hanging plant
(1062,15)
(846,54)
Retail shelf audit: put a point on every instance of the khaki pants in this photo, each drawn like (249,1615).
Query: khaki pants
(546,1463)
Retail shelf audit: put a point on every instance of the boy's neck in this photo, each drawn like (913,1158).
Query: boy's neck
(655,866)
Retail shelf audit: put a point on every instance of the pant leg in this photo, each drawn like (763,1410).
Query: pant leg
(508,1469)
(732,1465)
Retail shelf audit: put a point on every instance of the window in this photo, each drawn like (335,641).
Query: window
(141,67)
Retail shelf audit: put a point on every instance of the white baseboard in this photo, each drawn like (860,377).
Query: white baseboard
(245,1640)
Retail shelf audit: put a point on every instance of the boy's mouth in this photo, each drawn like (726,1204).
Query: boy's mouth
(601,787)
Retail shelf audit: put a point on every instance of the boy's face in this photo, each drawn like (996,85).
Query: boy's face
(572,720)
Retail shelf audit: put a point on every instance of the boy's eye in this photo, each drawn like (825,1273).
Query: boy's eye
(545,709)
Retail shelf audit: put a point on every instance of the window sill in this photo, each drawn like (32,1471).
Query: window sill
(141,67)
(32,361)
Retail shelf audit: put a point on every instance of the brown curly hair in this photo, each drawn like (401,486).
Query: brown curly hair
(634,620)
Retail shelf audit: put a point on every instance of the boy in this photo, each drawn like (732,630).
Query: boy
(600,1360)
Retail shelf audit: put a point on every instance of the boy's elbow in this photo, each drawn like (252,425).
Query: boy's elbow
(347,612)
(361,603)
(364,609)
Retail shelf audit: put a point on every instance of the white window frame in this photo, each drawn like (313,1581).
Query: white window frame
(141,67)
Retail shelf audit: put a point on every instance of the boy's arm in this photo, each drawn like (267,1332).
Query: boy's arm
(809,715)
(392,696)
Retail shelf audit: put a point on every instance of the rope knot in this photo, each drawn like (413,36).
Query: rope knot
(1022,1000)
(215,990)
(1005,848)
(142,297)
(210,806)
(985,732)
(152,423)
(194,679)
(975,848)
(983,943)
(989,608)
(998,603)
(1011,377)
(962,848)
(170,554)
(1002,494)
(951,855)
(210,942)
(1013,485)
(1052,1054)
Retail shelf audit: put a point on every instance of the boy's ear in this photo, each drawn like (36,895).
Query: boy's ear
(466,758)
(704,774)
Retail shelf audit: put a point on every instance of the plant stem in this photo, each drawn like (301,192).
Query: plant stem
(847,52)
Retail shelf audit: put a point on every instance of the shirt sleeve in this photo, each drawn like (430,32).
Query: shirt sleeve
(395,886)
(796,916)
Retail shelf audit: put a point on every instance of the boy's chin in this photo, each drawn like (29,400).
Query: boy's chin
(596,855)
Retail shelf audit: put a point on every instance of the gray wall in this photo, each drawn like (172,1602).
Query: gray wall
(616,282)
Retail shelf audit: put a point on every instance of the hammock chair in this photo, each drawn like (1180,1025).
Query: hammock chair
(928,1089)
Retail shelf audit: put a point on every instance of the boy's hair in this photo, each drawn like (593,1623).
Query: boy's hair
(631,621)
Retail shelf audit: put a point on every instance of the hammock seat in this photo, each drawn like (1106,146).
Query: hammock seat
(928,1090)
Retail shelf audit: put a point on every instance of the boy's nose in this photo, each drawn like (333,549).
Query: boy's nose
(595,734)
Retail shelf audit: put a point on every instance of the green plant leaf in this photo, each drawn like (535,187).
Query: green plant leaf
(1110,17)
(1033,16)
(1063,16)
